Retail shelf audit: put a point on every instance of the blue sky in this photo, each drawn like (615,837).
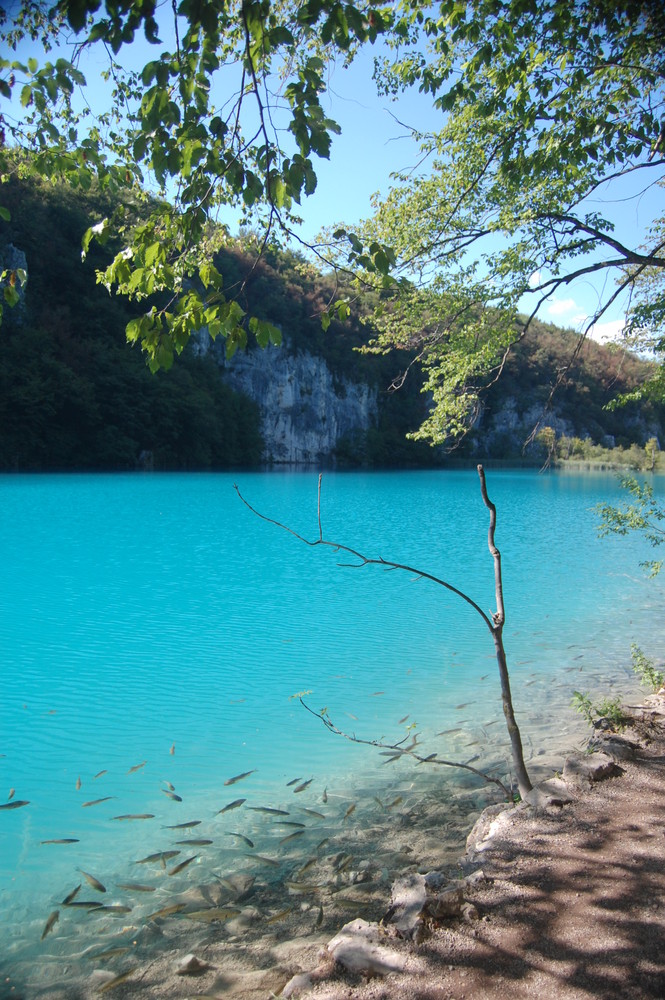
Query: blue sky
(374,144)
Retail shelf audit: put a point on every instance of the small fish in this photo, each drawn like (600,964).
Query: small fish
(375,694)
(319,917)
(171,795)
(322,843)
(402,720)
(172,749)
(291,836)
(136,887)
(99,774)
(289,822)
(112,908)
(308,864)
(352,716)
(84,904)
(135,816)
(168,784)
(94,882)
(167,911)
(50,923)
(425,760)
(449,732)
(394,803)
(294,781)
(378,800)
(344,863)
(16,804)
(104,956)
(324,797)
(241,836)
(96,802)
(12,793)
(231,805)
(195,843)
(183,864)
(137,767)
(184,826)
(239,777)
(264,859)
(350,810)
(268,809)
(71,895)
(78,783)
(313,812)
(392,758)
(301,788)
(159,856)
(215,913)
(465,704)
(123,977)
(61,840)
(279,916)
(301,888)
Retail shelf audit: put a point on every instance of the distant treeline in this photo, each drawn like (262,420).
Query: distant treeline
(75,395)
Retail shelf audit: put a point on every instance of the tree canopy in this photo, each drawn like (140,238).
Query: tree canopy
(551,113)
(552,120)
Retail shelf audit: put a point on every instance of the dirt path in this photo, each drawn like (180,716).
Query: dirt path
(571,903)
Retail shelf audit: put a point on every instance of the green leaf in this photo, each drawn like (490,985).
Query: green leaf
(5,214)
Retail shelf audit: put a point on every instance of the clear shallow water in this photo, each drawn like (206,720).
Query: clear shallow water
(141,614)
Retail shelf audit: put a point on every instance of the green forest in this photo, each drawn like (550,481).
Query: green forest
(74,395)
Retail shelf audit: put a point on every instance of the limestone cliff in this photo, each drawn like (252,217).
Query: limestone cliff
(306,410)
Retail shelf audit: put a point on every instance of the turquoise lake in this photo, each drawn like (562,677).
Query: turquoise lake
(154,630)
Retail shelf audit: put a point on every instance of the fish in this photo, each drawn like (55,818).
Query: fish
(301,788)
(449,732)
(426,760)
(167,911)
(394,803)
(231,805)
(71,895)
(84,904)
(301,888)
(136,887)
(375,694)
(279,916)
(168,784)
(123,977)
(159,856)
(324,797)
(268,809)
(291,836)
(213,914)
(94,882)
(350,810)
(16,804)
(182,864)
(96,802)
(352,716)
(172,749)
(239,777)
(319,917)
(184,826)
(308,864)
(264,859)
(392,759)
(289,822)
(99,774)
(78,783)
(112,908)
(313,812)
(12,793)
(465,704)
(344,863)
(50,923)
(241,836)
(137,767)
(61,840)
(322,843)
(171,795)
(135,816)
(103,956)
(402,720)
(196,843)
(294,781)
(378,800)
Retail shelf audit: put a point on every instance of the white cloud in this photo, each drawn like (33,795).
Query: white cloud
(557,307)
(534,280)
(605,332)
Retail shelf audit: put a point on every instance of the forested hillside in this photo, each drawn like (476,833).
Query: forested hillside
(75,395)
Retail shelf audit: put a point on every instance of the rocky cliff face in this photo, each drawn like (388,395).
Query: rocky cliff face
(306,410)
